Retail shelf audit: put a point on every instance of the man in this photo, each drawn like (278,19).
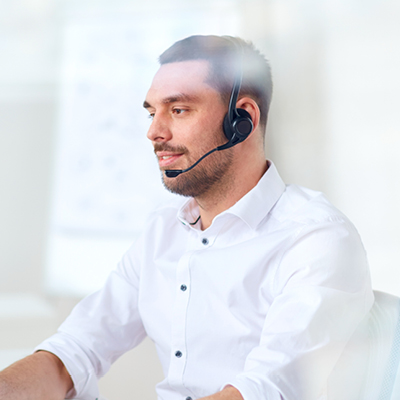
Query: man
(250,289)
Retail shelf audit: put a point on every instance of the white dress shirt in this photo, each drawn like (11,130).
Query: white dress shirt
(265,299)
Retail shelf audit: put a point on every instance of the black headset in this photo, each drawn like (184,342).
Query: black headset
(237,124)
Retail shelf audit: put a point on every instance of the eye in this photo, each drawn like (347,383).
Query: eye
(151,116)
(178,111)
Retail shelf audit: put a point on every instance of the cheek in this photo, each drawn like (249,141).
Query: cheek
(201,134)
(212,127)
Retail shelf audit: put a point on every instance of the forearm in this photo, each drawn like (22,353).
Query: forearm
(228,393)
(41,376)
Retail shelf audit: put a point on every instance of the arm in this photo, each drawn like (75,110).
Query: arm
(41,376)
(227,393)
(100,328)
(321,293)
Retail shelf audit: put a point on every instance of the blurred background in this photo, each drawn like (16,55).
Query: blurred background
(77,176)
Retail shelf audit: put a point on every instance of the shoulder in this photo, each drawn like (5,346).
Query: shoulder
(322,245)
(304,216)
(304,206)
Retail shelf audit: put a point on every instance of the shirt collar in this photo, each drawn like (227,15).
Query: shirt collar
(256,204)
(189,213)
(252,207)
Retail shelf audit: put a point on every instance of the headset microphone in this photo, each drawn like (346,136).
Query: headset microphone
(237,123)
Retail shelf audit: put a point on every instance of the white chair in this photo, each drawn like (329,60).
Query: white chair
(368,368)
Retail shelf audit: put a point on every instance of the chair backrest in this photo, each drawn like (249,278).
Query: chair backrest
(368,368)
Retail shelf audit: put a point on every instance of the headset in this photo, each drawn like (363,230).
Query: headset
(237,124)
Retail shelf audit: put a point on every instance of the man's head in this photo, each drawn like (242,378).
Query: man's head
(226,55)
(187,102)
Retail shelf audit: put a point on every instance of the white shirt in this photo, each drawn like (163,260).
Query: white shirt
(265,299)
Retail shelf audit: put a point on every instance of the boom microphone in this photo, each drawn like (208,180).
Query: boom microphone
(173,173)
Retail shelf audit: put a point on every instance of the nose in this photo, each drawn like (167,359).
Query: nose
(159,130)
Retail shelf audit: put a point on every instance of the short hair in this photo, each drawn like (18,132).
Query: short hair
(222,53)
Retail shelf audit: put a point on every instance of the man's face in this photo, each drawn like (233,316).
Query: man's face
(187,115)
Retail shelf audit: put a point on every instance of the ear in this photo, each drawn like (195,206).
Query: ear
(252,108)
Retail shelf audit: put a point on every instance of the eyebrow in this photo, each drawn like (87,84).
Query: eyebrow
(173,99)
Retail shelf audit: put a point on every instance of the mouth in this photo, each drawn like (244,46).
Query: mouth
(167,159)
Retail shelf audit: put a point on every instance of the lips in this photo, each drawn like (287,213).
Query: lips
(165,159)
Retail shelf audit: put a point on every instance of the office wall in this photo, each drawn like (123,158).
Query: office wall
(28,92)
(333,126)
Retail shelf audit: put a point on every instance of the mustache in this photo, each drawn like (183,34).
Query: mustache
(168,147)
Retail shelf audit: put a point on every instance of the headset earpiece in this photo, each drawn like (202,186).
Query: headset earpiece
(237,123)
(239,128)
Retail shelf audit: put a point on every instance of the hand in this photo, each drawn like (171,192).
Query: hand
(227,393)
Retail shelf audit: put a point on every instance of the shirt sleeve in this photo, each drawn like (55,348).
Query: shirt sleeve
(100,329)
(322,292)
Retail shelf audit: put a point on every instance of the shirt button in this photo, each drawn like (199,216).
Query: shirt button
(205,241)
(178,354)
(183,288)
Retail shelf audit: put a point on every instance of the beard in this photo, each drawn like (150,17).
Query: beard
(208,175)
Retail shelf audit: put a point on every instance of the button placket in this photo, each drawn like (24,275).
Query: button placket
(179,313)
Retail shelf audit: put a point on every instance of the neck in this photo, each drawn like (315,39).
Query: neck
(226,194)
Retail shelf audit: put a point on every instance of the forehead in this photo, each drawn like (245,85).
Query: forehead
(184,77)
